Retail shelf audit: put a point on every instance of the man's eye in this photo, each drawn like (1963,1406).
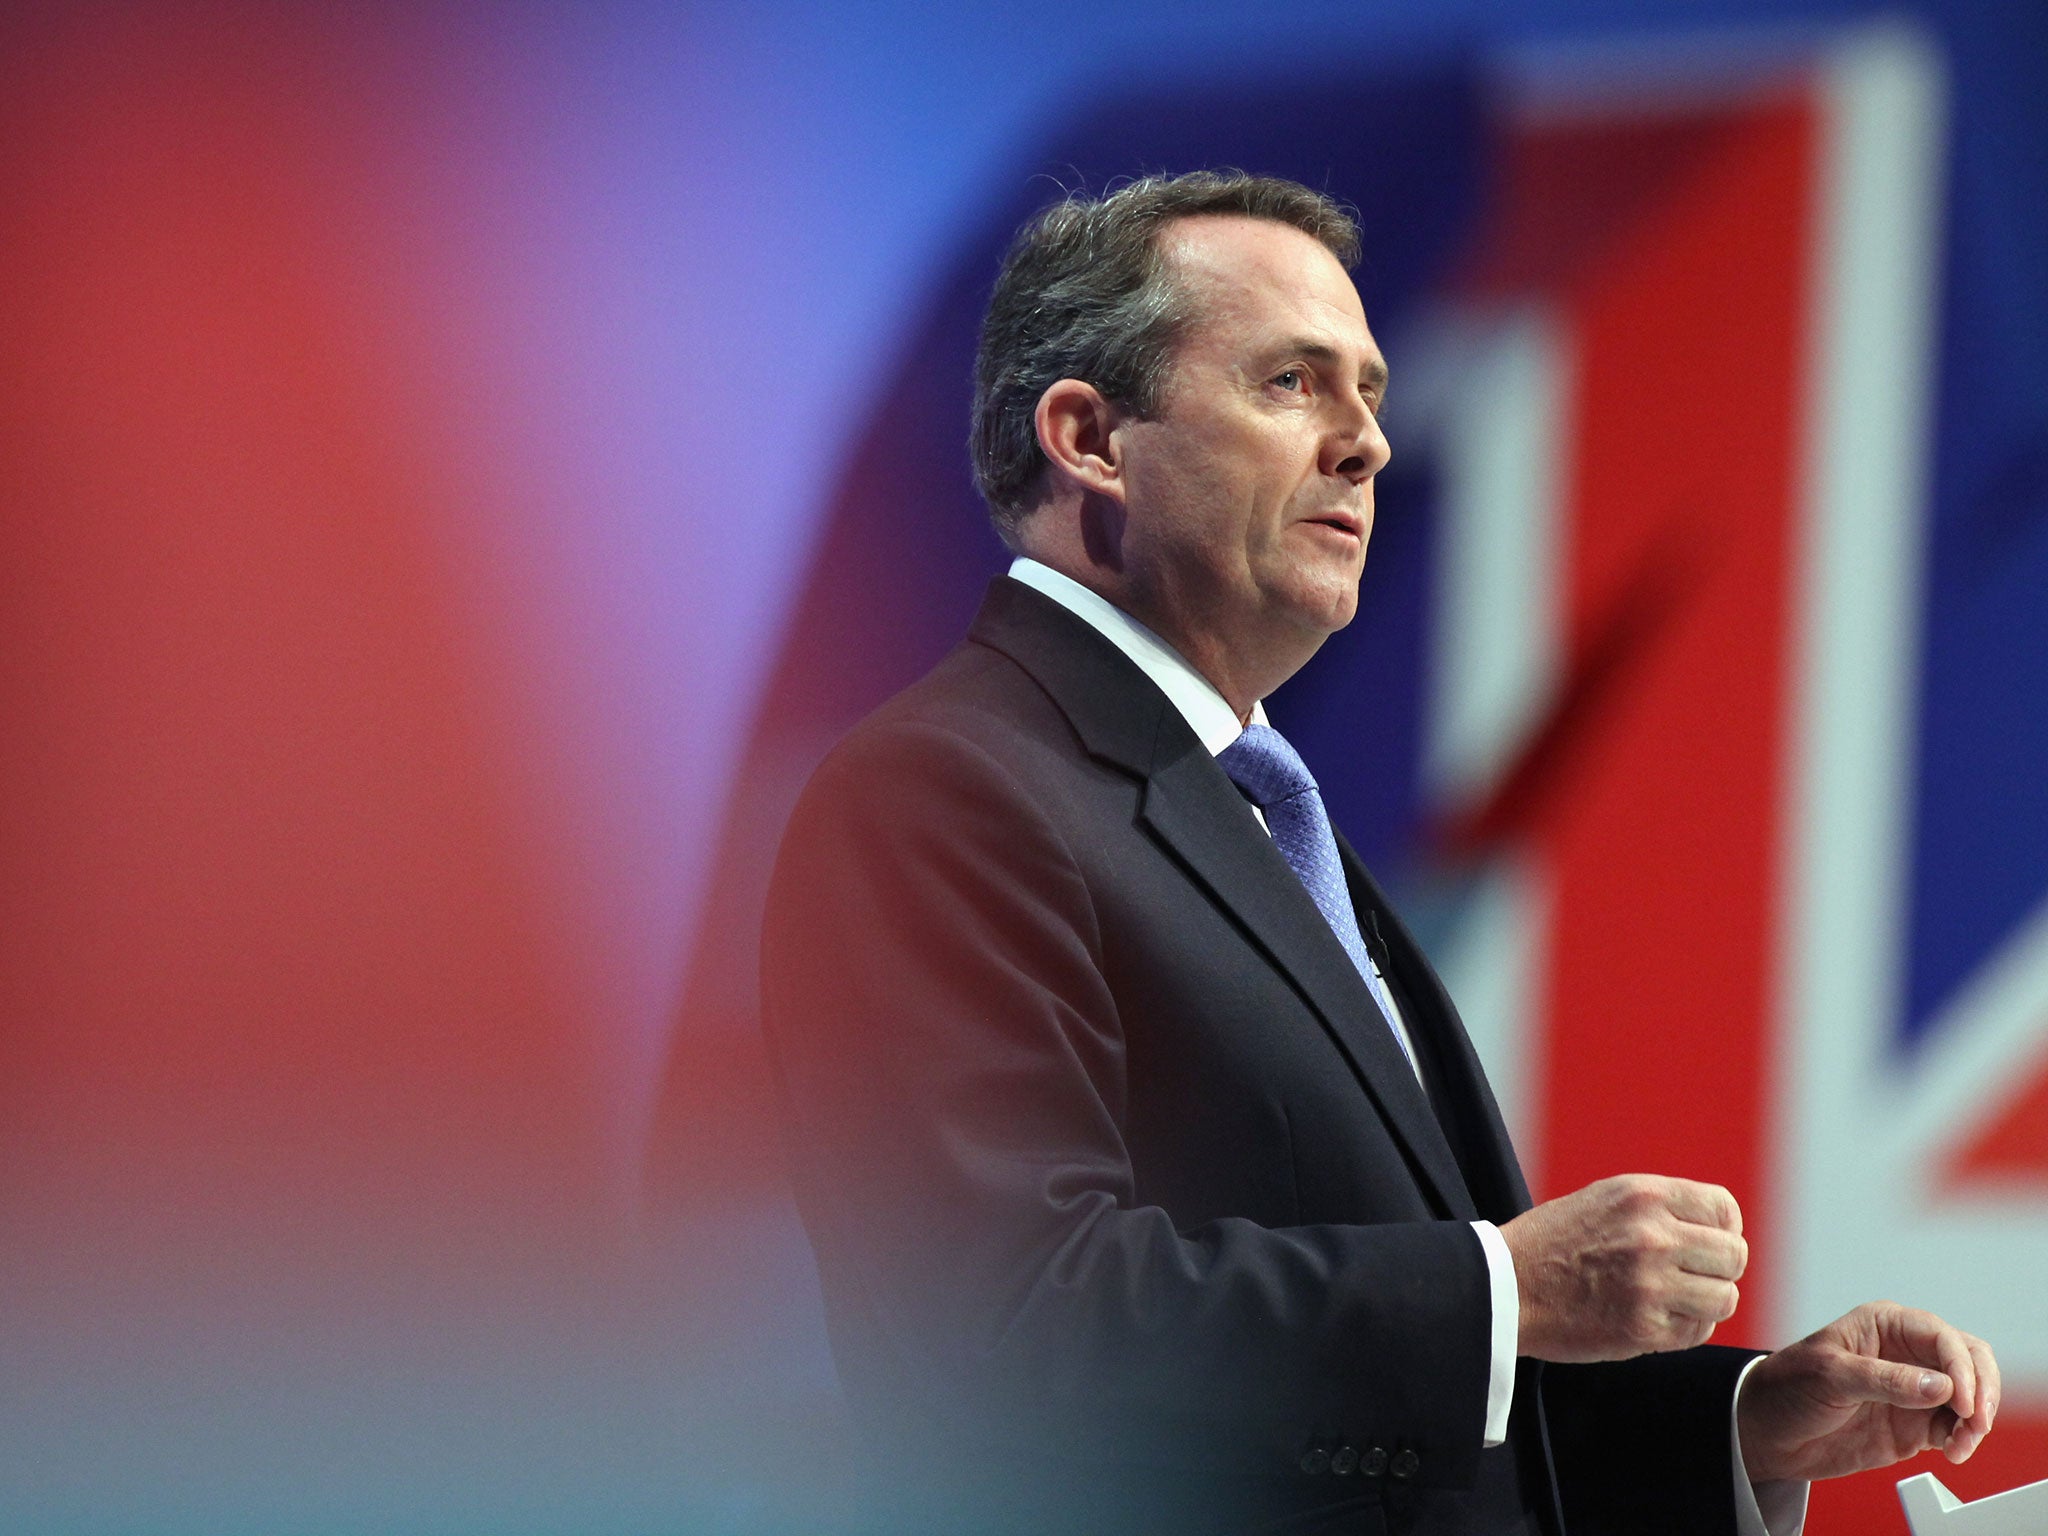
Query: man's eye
(1291,379)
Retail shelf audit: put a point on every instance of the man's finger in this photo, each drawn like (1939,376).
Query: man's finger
(1708,1301)
(1952,1349)
(1961,1444)
(1969,1433)
(1911,1334)
(1990,1386)
(1717,1254)
(1707,1204)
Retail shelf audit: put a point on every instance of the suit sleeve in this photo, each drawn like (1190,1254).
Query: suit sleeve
(951,1062)
(1644,1444)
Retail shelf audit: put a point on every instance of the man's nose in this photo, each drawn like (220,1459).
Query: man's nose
(1357,449)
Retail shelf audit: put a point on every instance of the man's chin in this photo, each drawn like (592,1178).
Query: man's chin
(1327,610)
(1310,625)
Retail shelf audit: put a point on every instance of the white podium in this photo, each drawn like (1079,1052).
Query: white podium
(1931,1510)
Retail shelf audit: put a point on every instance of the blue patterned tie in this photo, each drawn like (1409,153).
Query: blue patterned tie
(1271,774)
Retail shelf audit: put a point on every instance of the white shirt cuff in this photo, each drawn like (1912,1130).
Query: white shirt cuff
(1507,1333)
(1762,1509)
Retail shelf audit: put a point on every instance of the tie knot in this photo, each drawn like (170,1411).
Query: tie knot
(1263,765)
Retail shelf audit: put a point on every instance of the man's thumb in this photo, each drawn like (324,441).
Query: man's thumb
(1903,1386)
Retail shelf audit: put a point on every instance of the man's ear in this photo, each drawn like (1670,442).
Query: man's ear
(1077,433)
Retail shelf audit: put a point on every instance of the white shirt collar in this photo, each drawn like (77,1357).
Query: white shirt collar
(1207,712)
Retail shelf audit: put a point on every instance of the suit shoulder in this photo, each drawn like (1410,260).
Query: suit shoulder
(977,712)
(957,796)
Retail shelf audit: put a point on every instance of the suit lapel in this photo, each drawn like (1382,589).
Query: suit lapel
(1486,1153)
(1192,808)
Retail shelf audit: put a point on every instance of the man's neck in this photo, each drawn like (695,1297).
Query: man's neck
(1206,710)
(1209,659)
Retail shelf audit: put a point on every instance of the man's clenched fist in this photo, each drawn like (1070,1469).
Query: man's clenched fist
(1625,1267)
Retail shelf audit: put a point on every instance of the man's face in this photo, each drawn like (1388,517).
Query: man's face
(1249,493)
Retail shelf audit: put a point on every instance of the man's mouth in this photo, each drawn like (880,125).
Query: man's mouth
(1345,522)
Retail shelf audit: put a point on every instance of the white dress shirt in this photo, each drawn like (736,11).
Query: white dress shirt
(1216,726)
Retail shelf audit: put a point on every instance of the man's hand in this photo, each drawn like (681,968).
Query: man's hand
(1626,1266)
(1883,1383)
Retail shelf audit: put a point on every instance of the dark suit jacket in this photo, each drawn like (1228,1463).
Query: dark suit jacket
(1130,1214)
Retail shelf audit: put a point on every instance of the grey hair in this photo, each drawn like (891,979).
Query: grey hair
(1085,293)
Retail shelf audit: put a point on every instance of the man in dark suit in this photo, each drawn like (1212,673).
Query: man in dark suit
(1153,1181)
